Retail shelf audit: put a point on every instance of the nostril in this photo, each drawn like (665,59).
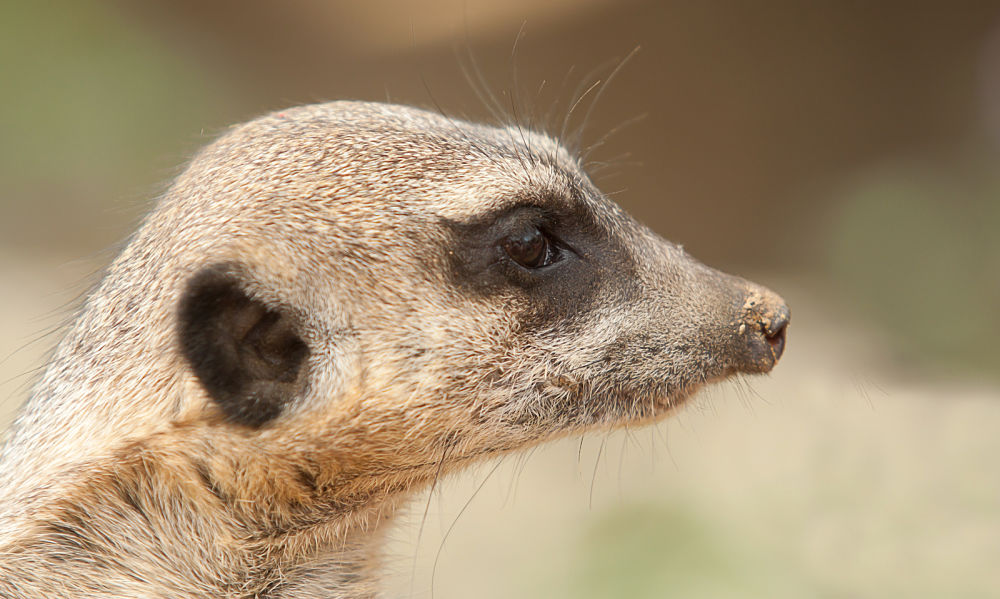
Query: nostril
(775,333)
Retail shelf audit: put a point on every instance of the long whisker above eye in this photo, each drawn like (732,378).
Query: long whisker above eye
(578,134)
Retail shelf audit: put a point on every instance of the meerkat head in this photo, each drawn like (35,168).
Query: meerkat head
(329,308)
(404,289)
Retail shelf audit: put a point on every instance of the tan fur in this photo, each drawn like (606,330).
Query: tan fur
(122,478)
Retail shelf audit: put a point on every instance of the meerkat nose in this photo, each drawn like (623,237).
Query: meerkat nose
(762,330)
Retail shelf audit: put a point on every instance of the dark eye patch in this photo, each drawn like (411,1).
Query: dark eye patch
(480,260)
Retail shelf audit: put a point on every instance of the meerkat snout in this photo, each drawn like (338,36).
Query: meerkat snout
(333,305)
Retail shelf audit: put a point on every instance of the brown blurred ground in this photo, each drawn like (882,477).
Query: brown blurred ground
(843,153)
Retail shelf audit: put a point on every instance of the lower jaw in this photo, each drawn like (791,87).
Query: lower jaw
(662,406)
(639,412)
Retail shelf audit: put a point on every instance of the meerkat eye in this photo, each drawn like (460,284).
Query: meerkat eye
(531,249)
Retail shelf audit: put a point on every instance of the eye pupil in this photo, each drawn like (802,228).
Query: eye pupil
(529,249)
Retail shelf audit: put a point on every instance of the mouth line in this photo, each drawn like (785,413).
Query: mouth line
(664,404)
(687,392)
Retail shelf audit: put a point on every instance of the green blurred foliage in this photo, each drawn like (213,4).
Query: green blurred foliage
(80,84)
(916,249)
(657,550)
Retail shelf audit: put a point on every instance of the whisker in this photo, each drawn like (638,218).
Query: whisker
(423,519)
(597,97)
(562,133)
(447,533)
(617,129)
(593,478)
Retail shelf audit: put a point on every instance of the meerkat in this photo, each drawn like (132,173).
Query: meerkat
(332,306)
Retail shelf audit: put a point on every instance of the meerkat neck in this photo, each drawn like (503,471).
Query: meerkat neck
(111,378)
(166,520)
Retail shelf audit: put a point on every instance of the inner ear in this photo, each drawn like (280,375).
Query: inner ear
(248,355)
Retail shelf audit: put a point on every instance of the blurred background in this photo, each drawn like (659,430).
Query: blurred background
(844,154)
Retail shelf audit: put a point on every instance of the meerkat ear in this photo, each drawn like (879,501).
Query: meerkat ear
(248,355)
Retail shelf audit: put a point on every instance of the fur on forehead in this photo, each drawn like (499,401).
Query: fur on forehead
(454,168)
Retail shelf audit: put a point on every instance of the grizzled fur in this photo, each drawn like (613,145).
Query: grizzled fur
(320,317)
